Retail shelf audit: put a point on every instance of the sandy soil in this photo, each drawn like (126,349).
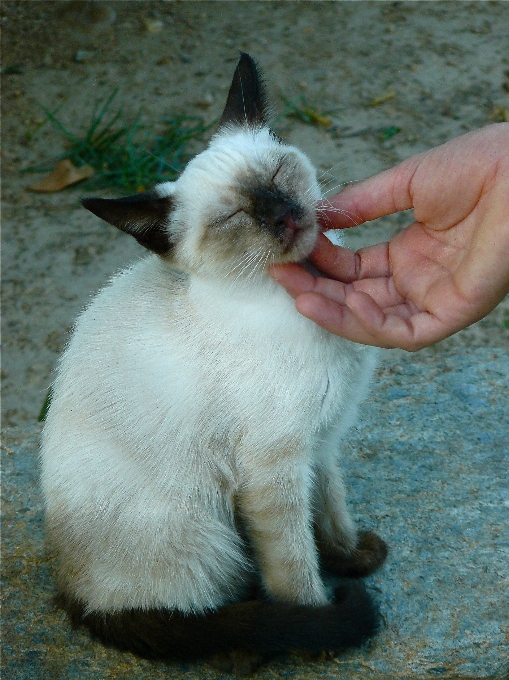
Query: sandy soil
(447,65)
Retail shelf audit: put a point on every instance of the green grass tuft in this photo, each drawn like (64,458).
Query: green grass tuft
(127,156)
(306,113)
(389,132)
(45,407)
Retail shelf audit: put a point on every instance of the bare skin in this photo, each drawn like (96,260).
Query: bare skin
(445,271)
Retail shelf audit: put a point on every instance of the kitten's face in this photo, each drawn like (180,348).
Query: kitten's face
(246,202)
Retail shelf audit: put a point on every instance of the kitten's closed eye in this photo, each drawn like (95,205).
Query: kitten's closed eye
(276,173)
(229,217)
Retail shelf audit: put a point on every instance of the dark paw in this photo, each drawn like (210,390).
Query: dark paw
(368,555)
(238,662)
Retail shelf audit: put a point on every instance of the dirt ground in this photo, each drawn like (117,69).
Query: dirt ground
(432,70)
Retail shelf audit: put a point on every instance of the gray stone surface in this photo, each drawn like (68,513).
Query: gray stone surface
(427,467)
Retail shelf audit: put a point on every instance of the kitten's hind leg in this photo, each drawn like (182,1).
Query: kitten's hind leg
(366,557)
(343,550)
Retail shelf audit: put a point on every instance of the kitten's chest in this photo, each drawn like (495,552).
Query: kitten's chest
(266,355)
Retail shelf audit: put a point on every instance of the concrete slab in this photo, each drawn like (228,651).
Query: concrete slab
(427,467)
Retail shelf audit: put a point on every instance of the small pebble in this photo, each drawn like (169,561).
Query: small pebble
(83,55)
(205,101)
(153,25)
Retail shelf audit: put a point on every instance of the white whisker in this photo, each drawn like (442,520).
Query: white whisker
(250,263)
(333,167)
(335,188)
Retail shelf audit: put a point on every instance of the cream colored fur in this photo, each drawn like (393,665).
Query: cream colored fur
(193,393)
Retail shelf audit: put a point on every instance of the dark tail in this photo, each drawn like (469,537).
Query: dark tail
(258,626)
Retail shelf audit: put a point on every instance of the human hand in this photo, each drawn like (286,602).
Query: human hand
(442,273)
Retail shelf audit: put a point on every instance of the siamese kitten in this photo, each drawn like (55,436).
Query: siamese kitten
(189,454)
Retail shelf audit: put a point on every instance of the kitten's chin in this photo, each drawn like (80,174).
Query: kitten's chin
(291,236)
(297,244)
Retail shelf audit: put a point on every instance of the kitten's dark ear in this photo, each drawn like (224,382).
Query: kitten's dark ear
(144,216)
(247,101)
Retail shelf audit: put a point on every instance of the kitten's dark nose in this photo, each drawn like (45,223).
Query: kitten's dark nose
(276,212)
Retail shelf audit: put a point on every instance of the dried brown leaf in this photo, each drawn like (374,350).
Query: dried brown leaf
(382,98)
(499,114)
(63,175)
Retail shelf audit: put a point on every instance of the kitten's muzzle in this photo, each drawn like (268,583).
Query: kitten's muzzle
(278,214)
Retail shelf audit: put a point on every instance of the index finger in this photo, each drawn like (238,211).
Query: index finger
(383,194)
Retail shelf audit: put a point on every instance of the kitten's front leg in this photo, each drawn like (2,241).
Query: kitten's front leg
(275,504)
